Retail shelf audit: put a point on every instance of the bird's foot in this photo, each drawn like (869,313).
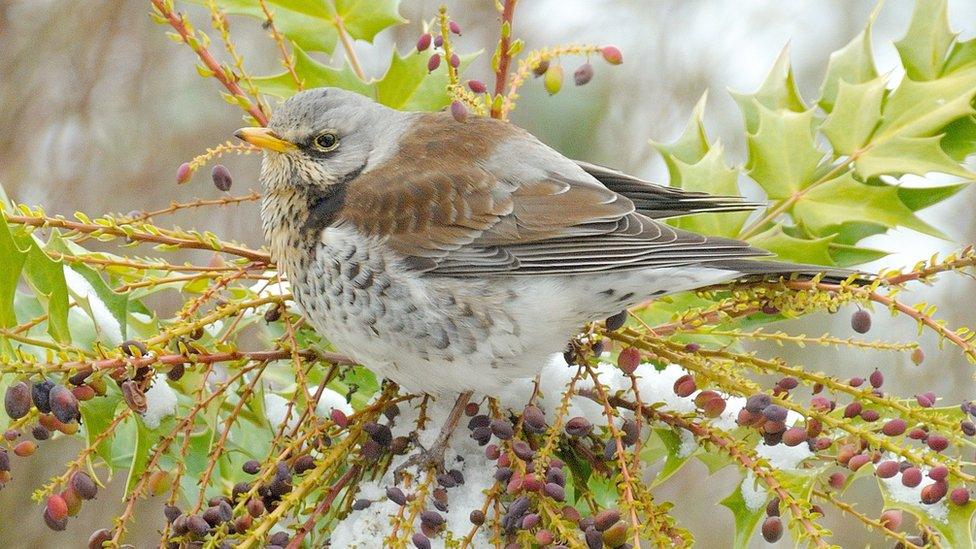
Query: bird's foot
(425,459)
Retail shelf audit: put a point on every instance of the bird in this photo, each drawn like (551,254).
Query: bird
(454,257)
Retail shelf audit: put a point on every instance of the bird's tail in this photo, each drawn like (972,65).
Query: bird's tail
(753,270)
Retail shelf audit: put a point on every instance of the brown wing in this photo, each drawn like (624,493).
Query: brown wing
(456,203)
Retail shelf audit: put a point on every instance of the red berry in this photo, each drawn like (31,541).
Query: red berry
(858,461)
(959,496)
(454,27)
(612,55)
(926,399)
(17,400)
(856,381)
(934,492)
(853,410)
(861,321)
(628,360)
(685,385)
(911,477)
(57,507)
(438,41)
(876,378)
(84,485)
(939,473)
(891,519)
(583,74)
(424,41)
(772,529)
(25,448)
(433,62)
(794,436)
(459,111)
(477,86)
(339,418)
(894,427)
(937,442)
(183,173)
(870,415)
(455,61)
(887,469)
(837,480)
(63,404)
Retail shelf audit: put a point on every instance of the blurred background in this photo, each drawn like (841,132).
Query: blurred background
(100,108)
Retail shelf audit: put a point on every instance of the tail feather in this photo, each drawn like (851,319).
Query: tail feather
(760,269)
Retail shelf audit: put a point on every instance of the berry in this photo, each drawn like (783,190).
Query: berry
(870,415)
(605,519)
(477,86)
(454,27)
(939,473)
(303,463)
(856,381)
(612,55)
(772,529)
(63,404)
(84,485)
(432,519)
(53,523)
(98,538)
(396,495)
(918,356)
(57,508)
(876,378)
(934,492)
(578,427)
(775,412)
(617,321)
(433,62)
(455,61)
(171,512)
(339,418)
(853,410)
(424,41)
(858,461)
(197,524)
(861,321)
(477,517)
(533,419)
(794,436)
(183,173)
(251,466)
(891,519)
(438,41)
(926,399)
(685,385)
(968,428)
(420,541)
(837,480)
(772,508)
(894,427)
(553,79)
(17,400)
(583,74)
(757,403)
(221,177)
(39,394)
(25,448)
(887,469)
(541,68)
(959,496)
(911,477)
(255,508)
(502,429)
(628,360)
(937,442)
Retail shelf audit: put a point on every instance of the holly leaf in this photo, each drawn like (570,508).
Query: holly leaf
(711,175)
(845,255)
(746,519)
(924,47)
(922,109)
(96,415)
(855,116)
(782,155)
(312,74)
(14,257)
(790,248)
(852,64)
(953,522)
(408,85)
(46,277)
(908,155)
(689,147)
(963,55)
(844,199)
(959,139)
(777,92)
(313,24)
(142,442)
(917,198)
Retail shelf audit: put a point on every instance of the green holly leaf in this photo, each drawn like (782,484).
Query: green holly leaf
(312,74)
(408,85)
(963,55)
(675,457)
(959,140)
(782,155)
(789,248)
(922,109)
(844,199)
(746,519)
(917,198)
(924,47)
(710,174)
(689,147)
(142,442)
(312,24)
(14,257)
(908,155)
(96,415)
(46,277)
(778,91)
(856,114)
(853,64)
(845,255)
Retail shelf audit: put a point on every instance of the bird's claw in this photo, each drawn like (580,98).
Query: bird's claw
(423,460)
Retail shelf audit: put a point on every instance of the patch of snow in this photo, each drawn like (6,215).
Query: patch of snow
(913,496)
(276,408)
(688,443)
(330,400)
(160,402)
(784,457)
(104,320)
(753,493)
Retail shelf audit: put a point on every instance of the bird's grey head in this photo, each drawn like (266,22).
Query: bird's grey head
(324,136)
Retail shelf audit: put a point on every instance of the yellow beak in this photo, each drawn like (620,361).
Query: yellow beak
(264,138)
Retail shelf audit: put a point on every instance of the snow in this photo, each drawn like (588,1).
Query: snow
(276,408)
(330,400)
(105,321)
(784,457)
(913,496)
(753,493)
(160,402)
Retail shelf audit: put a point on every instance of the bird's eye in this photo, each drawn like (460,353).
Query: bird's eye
(326,141)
